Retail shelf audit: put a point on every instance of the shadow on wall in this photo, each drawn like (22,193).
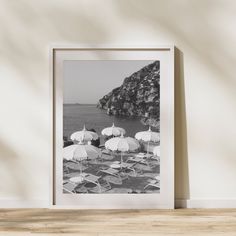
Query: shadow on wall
(30,26)
(16,171)
(194,27)
(199,26)
(37,25)
(181,141)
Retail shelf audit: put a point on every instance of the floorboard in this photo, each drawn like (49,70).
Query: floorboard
(118,222)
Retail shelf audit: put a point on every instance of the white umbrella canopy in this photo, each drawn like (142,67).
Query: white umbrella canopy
(122,144)
(80,152)
(156,151)
(84,136)
(148,136)
(113,131)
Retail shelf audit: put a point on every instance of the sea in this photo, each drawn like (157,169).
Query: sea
(75,116)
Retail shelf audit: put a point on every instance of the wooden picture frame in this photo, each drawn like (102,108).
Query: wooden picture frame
(165,56)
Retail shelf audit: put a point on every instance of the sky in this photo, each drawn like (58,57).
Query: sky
(85,82)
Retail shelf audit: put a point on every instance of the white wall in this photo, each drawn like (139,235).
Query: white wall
(203,31)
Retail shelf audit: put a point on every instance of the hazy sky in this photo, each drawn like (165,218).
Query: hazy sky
(88,81)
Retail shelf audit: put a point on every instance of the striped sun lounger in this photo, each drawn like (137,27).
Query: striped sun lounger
(69,187)
(137,160)
(156,185)
(110,171)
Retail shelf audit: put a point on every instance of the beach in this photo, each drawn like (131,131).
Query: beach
(133,181)
(136,172)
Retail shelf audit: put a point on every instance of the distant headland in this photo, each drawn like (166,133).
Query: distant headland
(138,96)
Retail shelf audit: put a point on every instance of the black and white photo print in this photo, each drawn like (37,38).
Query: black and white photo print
(111,127)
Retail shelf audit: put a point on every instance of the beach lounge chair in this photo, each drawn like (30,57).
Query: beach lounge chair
(74,166)
(152,163)
(100,189)
(69,187)
(113,180)
(137,160)
(127,167)
(123,168)
(140,154)
(156,158)
(83,178)
(81,189)
(154,183)
(92,178)
(107,155)
(148,155)
(117,175)
(105,185)
(110,171)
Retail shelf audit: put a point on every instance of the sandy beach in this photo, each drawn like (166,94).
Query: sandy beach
(134,179)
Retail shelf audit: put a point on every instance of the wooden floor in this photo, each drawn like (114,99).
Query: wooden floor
(118,222)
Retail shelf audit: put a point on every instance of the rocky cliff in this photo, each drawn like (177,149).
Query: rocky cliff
(138,96)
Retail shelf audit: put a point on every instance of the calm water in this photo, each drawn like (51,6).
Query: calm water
(75,116)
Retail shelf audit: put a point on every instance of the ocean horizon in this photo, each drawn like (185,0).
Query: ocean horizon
(76,115)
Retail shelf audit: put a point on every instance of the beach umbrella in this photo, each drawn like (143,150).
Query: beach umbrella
(80,152)
(113,131)
(122,144)
(84,136)
(148,136)
(156,151)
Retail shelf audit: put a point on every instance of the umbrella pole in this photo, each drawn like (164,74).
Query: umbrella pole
(121,159)
(80,168)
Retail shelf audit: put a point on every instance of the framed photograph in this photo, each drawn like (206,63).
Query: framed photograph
(113,124)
